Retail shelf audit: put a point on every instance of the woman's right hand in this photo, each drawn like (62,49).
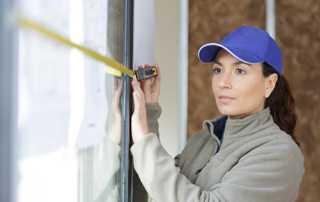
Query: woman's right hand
(151,87)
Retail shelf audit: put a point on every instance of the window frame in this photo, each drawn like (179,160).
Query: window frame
(126,159)
(8,105)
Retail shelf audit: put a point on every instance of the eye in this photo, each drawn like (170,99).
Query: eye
(216,70)
(240,71)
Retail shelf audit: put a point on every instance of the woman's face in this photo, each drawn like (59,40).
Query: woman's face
(239,89)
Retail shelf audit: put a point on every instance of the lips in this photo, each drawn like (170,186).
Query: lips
(225,99)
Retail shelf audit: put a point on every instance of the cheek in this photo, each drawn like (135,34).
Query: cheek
(214,86)
(251,92)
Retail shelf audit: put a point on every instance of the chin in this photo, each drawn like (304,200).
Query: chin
(229,110)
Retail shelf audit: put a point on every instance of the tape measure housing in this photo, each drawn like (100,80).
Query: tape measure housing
(143,73)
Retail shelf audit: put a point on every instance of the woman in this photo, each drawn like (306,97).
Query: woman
(247,155)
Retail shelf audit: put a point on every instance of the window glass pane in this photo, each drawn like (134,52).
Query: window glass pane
(66,114)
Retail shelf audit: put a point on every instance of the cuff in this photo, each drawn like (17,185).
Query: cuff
(153,110)
(142,142)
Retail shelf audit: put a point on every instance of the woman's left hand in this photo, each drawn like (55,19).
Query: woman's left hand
(151,86)
(139,124)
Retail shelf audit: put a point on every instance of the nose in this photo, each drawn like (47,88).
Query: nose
(225,80)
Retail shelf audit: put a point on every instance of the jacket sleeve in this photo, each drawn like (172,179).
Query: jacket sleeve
(249,182)
(153,114)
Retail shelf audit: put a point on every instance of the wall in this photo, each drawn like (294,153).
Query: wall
(298,33)
(168,56)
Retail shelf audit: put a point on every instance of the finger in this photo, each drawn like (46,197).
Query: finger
(158,71)
(118,86)
(138,99)
(135,83)
(157,80)
(136,87)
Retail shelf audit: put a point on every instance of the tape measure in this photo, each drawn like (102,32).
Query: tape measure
(113,67)
(146,72)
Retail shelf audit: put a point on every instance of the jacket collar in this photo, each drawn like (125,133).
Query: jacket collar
(224,127)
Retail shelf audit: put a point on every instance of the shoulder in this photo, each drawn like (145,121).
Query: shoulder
(279,151)
(286,148)
(274,168)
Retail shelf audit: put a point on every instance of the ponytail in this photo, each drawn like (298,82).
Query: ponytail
(281,103)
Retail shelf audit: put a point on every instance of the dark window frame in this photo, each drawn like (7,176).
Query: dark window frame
(126,159)
(8,102)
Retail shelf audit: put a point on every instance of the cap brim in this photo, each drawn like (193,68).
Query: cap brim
(208,52)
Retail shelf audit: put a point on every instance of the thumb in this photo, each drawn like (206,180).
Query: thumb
(135,83)
(138,96)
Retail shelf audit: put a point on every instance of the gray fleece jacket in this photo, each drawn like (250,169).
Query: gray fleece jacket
(229,160)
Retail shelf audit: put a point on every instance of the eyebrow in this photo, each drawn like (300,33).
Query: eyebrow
(235,63)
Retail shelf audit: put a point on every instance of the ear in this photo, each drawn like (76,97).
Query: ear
(270,83)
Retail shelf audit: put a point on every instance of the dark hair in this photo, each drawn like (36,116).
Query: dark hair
(281,103)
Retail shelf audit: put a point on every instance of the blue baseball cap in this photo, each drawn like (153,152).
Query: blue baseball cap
(248,44)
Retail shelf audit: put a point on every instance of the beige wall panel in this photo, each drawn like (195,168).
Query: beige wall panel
(298,31)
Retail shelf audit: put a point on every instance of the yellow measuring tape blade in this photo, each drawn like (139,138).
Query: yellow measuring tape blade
(116,67)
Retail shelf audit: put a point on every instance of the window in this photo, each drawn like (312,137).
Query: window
(65,104)
(57,105)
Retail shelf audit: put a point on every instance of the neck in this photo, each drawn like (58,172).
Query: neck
(249,124)
(241,116)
